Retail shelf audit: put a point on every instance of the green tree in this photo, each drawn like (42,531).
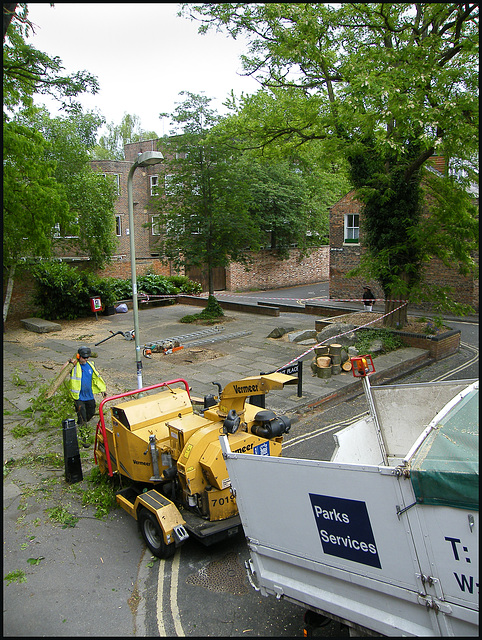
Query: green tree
(203,206)
(281,206)
(111,145)
(388,84)
(34,201)
(28,72)
(90,196)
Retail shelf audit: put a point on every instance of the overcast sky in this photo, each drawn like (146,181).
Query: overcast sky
(143,56)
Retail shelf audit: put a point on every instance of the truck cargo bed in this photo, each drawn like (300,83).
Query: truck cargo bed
(389,547)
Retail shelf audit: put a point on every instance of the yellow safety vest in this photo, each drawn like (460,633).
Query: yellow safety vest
(98,385)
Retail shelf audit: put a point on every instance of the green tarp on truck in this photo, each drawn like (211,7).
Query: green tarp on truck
(445,470)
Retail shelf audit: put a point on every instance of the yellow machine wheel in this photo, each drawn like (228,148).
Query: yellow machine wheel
(152,534)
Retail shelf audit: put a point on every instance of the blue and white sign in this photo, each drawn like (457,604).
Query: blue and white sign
(261,449)
(345,529)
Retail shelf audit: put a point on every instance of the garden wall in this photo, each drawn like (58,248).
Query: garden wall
(268,272)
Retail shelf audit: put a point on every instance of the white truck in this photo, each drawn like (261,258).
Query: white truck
(384,536)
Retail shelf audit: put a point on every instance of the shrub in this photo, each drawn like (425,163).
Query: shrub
(154,284)
(210,313)
(189,287)
(59,291)
(63,292)
(122,289)
(390,341)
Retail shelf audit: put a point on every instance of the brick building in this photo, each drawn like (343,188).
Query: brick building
(346,249)
(265,272)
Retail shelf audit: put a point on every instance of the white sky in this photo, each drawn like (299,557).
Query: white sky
(143,56)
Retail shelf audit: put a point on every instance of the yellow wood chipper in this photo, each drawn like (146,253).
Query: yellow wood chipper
(170,454)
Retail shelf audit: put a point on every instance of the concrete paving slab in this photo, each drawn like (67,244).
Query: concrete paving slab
(40,326)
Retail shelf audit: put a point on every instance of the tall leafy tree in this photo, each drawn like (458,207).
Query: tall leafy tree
(34,199)
(281,205)
(28,72)
(90,196)
(203,206)
(390,84)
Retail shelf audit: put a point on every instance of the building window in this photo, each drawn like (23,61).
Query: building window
(154,184)
(169,183)
(118,225)
(116,177)
(59,232)
(155,226)
(352,228)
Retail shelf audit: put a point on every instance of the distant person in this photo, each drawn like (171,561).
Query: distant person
(368,298)
(85,380)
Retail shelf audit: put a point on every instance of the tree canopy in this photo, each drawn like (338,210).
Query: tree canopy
(219,204)
(202,204)
(388,86)
(111,145)
(28,72)
(48,183)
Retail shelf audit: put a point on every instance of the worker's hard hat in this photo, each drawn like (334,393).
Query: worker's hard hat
(84,352)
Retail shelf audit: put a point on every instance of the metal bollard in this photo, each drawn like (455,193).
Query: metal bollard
(73,467)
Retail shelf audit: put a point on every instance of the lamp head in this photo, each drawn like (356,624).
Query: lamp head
(149,157)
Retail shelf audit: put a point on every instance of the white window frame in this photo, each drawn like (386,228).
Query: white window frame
(351,228)
(118,225)
(155,226)
(169,179)
(57,231)
(117,181)
(154,183)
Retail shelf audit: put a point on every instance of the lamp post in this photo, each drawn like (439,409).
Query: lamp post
(144,160)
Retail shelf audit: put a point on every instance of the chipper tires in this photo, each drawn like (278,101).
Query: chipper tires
(153,536)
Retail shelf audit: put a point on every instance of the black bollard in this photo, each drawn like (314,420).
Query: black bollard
(73,467)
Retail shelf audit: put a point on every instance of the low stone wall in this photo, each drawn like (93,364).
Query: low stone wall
(235,306)
(326,312)
(439,346)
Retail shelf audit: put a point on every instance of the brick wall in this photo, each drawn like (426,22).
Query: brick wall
(122,268)
(439,346)
(344,257)
(268,272)
(141,198)
(21,303)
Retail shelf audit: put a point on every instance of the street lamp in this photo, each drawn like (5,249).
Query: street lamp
(143,160)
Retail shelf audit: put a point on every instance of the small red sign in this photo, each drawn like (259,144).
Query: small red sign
(95,304)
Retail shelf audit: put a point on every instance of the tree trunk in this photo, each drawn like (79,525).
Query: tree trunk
(8,294)
(210,280)
(8,13)
(399,318)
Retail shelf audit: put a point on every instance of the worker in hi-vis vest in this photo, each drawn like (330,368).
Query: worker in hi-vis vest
(85,380)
